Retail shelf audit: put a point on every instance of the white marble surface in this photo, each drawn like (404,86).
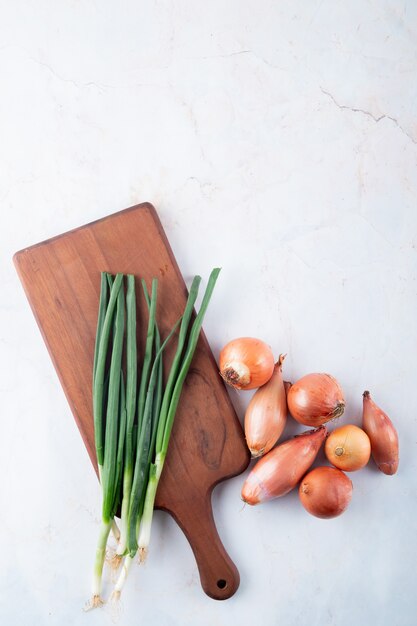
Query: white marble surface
(277,139)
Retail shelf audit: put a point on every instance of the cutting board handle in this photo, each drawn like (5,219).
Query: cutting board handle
(218,574)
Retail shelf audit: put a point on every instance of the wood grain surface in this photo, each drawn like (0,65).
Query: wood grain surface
(61,278)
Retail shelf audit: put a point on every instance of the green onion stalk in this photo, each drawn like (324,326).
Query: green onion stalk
(136,440)
(109,414)
(148,410)
(166,420)
(133,422)
(131,392)
(142,434)
(146,440)
(106,283)
(148,471)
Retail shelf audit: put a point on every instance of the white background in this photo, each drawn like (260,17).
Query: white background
(278,140)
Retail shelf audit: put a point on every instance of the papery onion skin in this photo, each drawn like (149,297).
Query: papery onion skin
(246,363)
(315,399)
(266,415)
(325,492)
(287,386)
(348,448)
(383,436)
(279,471)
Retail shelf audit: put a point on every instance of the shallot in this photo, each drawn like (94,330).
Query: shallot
(246,363)
(315,399)
(266,414)
(383,436)
(325,492)
(282,468)
(348,448)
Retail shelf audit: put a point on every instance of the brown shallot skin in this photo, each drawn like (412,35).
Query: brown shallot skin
(246,363)
(383,436)
(348,448)
(279,471)
(315,399)
(266,414)
(325,492)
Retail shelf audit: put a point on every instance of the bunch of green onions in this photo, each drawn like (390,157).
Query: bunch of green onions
(134,413)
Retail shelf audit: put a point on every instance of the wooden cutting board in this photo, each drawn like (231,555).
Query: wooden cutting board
(61,278)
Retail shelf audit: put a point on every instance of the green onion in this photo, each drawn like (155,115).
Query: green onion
(109,433)
(147,361)
(98,386)
(159,385)
(165,425)
(106,282)
(141,428)
(101,315)
(98,565)
(185,366)
(131,386)
(146,443)
(112,414)
(131,452)
(192,297)
(144,450)
(118,482)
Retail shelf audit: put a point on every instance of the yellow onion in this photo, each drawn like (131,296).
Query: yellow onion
(246,363)
(315,399)
(325,492)
(282,468)
(348,448)
(383,436)
(266,414)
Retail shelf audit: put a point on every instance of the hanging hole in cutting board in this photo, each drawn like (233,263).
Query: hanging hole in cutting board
(221,583)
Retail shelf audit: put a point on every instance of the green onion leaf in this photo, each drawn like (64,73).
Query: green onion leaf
(98,386)
(112,414)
